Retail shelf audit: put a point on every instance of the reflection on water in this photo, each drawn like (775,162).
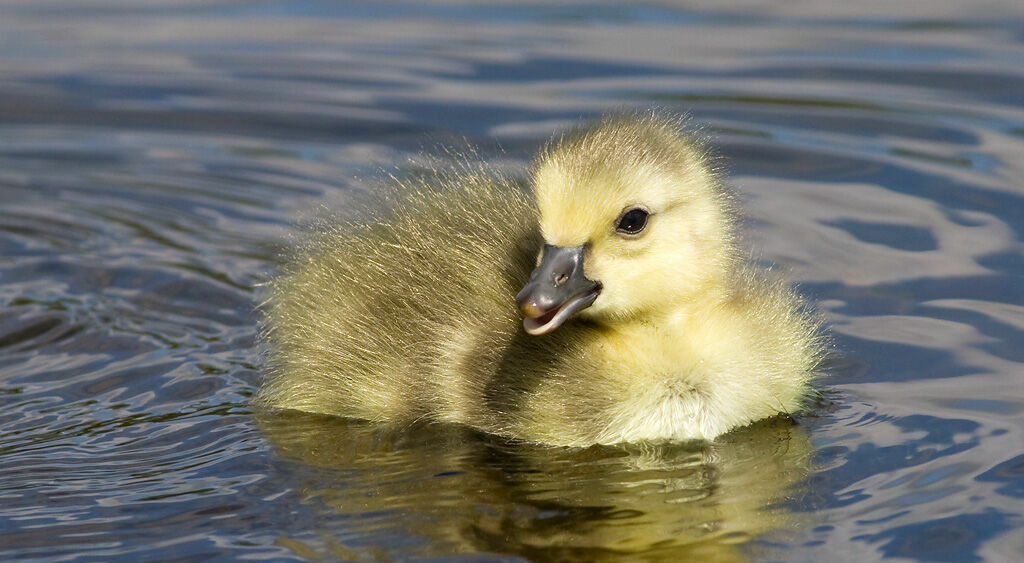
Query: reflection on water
(460,492)
(156,155)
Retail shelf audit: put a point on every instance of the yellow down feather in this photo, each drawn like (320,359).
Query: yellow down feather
(407,311)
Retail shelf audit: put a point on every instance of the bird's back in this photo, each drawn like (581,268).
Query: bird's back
(405,310)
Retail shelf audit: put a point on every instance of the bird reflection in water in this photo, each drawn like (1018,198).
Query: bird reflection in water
(465,492)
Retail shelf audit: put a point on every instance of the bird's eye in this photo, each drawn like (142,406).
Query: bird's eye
(632,221)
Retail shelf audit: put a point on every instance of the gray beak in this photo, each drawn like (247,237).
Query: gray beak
(557,289)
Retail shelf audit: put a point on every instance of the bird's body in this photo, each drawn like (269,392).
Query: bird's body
(409,312)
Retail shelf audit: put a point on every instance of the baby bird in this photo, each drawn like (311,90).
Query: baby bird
(609,303)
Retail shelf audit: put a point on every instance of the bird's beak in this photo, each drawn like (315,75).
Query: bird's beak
(557,289)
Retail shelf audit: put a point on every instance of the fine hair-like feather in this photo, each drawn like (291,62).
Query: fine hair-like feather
(405,310)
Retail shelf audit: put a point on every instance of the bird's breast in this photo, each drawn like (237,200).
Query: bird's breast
(668,410)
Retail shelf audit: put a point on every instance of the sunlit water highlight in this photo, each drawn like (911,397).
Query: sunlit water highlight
(155,157)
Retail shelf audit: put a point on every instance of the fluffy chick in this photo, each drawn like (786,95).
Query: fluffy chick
(642,320)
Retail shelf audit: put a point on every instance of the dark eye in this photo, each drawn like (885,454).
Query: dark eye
(632,222)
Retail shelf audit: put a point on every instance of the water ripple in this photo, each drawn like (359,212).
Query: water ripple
(155,155)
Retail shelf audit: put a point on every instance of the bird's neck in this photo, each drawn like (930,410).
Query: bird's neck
(674,320)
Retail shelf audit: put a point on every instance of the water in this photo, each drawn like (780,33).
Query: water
(155,157)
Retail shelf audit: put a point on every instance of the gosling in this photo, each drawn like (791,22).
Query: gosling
(608,303)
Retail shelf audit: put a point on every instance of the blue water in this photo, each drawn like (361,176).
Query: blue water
(157,157)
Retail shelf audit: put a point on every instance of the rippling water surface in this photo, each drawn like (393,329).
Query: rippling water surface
(155,157)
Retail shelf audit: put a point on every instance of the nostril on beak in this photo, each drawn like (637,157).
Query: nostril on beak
(560,279)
